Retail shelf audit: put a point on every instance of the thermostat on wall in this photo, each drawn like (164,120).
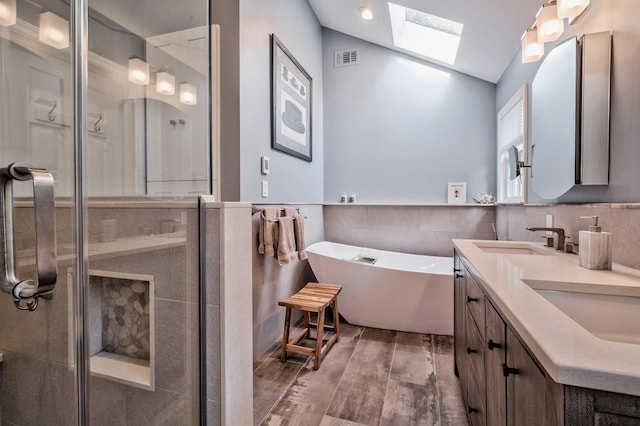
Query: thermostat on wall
(264,165)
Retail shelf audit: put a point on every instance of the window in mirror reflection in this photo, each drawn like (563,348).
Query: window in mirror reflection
(512,132)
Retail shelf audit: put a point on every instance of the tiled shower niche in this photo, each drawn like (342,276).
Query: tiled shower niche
(122,327)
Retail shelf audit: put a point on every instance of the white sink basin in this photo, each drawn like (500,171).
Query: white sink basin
(511,247)
(607,316)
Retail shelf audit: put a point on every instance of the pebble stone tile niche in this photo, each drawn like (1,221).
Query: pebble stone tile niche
(122,327)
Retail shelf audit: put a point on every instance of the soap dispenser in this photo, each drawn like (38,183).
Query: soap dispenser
(595,246)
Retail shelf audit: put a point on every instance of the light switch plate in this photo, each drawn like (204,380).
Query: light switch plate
(265,189)
(264,165)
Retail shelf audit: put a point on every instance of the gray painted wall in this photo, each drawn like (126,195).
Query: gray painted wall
(398,129)
(226,14)
(294,23)
(620,16)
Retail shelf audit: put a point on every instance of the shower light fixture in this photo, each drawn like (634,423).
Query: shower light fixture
(54,30)
(532,49)
(366,13)
(571,8)
(7,12)
(550,26)
(138,71)
(188,94)
(165,83)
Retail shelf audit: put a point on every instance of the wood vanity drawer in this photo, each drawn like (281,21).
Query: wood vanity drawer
(475,355)
(475,303)
(614,403)
(475,405)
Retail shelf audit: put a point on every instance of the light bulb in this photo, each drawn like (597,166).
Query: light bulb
(138,71)
(188,94)
(54,30)
(550,27)
(366,13)
(532,49)
(165,83)
(7,12)
(571,8)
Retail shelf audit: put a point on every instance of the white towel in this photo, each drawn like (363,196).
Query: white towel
(298,228)
(268,231)
(286,241)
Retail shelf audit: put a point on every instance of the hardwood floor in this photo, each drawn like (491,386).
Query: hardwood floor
(370,377)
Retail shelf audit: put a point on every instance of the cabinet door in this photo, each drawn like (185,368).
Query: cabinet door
(459,283)
(525,386)
(495,358)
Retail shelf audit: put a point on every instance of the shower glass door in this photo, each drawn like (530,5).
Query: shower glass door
(126,180)
(36,118)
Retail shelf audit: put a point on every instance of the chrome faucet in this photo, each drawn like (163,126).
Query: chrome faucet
(558,231)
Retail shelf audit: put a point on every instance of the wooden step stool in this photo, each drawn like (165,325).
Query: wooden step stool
(314,297)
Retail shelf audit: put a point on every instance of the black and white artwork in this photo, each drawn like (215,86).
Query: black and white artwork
(290,103)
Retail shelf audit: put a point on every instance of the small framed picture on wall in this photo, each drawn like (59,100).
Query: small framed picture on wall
(457,192)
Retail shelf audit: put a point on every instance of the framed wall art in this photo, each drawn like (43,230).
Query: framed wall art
(291,103)
(457,192)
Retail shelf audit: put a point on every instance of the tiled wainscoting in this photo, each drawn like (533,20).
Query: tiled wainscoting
(424,230)
(622,220)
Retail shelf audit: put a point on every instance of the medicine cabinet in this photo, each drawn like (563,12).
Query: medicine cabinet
(570,116)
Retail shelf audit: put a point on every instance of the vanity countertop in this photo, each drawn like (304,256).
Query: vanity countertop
(567,351)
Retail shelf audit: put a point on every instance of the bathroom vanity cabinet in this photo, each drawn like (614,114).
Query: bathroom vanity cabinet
(502,381)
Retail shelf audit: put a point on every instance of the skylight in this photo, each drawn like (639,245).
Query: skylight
(427,35)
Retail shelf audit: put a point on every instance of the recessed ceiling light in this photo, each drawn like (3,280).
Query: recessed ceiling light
(366,13)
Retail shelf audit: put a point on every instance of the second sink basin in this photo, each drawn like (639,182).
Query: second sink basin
(602,311)
(510,247)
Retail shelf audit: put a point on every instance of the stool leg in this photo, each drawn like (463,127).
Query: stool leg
(307,320)
(319,333)
(285,335)
(336,318)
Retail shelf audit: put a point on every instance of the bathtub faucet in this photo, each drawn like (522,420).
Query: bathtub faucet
(558,231)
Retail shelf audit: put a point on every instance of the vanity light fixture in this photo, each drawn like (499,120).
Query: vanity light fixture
(165,83)
(138,71)
(54,30)
(366,13)
(188,94)
(572,8)
(7,12)
(550,26)
(532,49)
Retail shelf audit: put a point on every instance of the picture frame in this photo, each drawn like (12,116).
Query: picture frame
(457,192)
(291,103)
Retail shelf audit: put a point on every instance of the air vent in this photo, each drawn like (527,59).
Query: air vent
(346,57)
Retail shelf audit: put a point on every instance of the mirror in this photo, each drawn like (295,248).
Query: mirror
(553,121)
(570,116)
(139,142)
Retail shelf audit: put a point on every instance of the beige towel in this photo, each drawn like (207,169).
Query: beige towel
(286,241)
(298,228)
(268,231)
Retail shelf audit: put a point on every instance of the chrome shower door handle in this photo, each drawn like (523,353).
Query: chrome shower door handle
(44,213)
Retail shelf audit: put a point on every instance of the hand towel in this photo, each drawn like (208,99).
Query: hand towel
(286,241)
(268,231)
(298,230)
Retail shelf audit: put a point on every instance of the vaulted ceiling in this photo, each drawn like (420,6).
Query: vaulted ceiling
(489,40)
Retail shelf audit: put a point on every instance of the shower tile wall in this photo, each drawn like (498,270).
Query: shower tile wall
(272,282)
(35,342)
(622,220)
(426,230)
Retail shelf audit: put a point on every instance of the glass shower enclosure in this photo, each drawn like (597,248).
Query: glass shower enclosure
(105,144)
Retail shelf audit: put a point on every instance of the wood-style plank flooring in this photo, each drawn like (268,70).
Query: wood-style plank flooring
(370,377)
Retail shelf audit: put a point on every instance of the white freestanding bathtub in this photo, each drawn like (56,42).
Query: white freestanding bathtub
(399,291)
